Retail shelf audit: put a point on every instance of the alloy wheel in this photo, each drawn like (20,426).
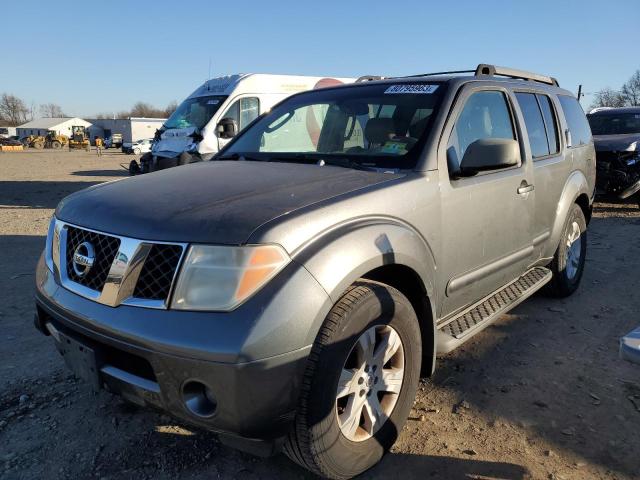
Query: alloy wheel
(574,250)
(370,383)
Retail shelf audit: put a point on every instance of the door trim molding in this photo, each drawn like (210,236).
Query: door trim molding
(466,279)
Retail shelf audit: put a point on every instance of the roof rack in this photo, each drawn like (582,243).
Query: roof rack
(488,70)
(368,78)
(491,70)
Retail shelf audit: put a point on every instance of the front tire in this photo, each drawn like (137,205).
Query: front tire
(360,382)
(568,262)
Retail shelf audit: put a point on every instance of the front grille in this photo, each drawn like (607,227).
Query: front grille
(137,280)
(157,272)
(106,248)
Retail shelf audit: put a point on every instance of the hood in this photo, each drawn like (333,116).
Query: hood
(617,143)
(218,202)
(173,142)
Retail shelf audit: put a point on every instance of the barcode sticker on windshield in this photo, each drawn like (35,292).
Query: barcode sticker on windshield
(419,88)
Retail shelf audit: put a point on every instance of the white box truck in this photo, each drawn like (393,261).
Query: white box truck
(194,132)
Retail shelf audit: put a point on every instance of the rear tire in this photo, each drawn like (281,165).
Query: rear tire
(568,262)
(56,145)
(321,438)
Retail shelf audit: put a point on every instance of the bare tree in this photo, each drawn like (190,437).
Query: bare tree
(631,90)
(51,110)
(13,110)
(608,97)
(170,109)
(142,109)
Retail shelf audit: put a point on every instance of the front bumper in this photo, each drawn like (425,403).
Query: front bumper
(252,359)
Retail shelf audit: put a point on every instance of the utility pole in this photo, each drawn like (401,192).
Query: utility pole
(580,94)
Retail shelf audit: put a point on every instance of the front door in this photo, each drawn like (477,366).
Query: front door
(244,111)
(487,218)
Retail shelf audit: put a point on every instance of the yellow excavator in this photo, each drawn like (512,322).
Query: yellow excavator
(51,140)
(79,138)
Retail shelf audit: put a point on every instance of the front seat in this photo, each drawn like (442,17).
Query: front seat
(379,130)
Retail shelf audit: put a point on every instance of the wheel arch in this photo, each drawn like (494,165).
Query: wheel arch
(575,191)
(408,282)
(381,249)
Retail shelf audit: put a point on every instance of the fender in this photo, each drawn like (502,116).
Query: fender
(575,186)
(340,255)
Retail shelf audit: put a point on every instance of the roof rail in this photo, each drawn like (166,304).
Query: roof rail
(368,78)
(485,69)
(436,73)
(491,70)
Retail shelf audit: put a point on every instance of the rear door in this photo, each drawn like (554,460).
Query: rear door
(486,222)
(550,161)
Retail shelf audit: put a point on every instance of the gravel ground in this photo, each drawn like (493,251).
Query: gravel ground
(539,395)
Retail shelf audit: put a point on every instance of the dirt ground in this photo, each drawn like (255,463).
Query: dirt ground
(541,394)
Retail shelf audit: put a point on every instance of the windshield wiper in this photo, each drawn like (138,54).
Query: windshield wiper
(344,162)
(321,161)
(237,156)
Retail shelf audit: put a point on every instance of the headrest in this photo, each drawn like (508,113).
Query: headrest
(379,130)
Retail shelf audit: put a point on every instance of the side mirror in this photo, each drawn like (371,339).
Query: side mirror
(489,154)
(227,128)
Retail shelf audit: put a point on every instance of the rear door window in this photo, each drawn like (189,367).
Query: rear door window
(550,121)
(576,120)
(535,124)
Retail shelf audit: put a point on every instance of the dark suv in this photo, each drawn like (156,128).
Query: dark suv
(617,141)
(290,293)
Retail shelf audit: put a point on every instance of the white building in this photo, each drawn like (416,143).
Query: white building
(131,129)
(42,126)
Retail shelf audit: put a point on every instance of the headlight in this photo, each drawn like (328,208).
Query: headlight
(221,278)
(633,147)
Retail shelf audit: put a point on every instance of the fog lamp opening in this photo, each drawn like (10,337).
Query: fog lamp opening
(199,399)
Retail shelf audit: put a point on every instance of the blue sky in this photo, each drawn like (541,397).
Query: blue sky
(100,57)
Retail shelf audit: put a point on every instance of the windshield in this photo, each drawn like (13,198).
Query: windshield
(381,125)
(614,123)
(194,112)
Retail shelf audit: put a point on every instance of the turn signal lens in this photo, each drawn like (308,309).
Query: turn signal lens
(221,278)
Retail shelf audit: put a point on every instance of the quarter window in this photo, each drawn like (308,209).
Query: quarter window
(577,122)
(485,115)
(534,123)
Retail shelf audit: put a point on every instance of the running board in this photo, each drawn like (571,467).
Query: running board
(457,330)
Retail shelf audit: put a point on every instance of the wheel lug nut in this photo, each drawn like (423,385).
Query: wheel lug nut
(360,381)
(366,368)
(361,392)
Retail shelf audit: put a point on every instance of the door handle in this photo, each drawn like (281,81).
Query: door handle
(525,188)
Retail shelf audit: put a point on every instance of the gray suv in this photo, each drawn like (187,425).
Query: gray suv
(290,293)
